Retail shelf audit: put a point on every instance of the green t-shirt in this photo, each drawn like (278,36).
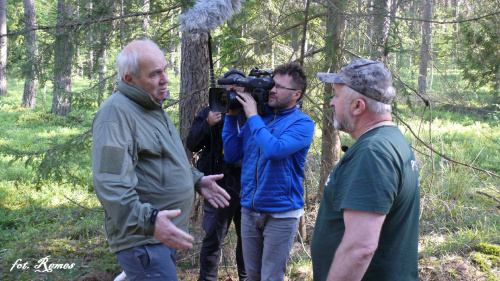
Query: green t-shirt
(378,174)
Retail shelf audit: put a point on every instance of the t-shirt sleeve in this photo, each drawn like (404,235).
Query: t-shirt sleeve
(370,183)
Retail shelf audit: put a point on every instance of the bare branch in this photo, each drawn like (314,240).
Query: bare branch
(94,21)
(444,156)
(83,207)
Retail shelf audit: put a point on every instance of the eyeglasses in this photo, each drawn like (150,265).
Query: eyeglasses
(278,86)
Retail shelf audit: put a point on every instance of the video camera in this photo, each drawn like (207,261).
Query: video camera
(258,84)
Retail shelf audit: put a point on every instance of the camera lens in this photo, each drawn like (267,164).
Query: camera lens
(223,99)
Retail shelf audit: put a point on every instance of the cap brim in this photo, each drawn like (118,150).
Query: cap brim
(328,77)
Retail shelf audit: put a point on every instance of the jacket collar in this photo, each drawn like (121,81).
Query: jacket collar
(137,95)
(269,111)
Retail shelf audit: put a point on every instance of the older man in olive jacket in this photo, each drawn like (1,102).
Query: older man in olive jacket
(142,176)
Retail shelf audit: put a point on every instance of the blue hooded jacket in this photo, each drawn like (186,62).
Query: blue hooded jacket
(274,149)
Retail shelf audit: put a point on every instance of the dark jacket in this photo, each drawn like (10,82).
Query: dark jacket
(208,140)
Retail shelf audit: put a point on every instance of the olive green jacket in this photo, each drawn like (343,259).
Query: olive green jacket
(139,163)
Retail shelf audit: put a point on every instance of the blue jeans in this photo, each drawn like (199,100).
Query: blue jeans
(149,262)
(267,242)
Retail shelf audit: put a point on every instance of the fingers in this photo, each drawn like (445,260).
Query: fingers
(220,199)
(169,234)
(216,177)
(249,104)
(214,117)
(224,195)
(170,213)
(179,239)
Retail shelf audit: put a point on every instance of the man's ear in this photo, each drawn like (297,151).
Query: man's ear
(297,95)
(128,78)
(358,106)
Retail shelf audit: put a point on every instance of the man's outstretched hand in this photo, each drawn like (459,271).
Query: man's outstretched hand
(214,194)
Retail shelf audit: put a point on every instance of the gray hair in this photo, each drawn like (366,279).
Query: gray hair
(372,105)
(128,61)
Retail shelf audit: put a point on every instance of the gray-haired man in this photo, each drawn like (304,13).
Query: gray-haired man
(142,176)
(367,224)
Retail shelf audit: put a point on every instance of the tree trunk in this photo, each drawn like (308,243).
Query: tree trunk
(122,25)
(3,48)
(31,80)
(425,51)
(103,69)
(63,50)
(304,34)
(369,27)
(330,145)
(90,59)
(194,81)
(105,31)
(145,20)
(381,26)
(193,93)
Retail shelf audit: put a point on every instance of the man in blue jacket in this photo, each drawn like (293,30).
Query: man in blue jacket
(273,147)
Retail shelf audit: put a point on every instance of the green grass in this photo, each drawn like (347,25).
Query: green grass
(62,218)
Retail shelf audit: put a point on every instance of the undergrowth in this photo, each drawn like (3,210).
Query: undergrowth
(61,218)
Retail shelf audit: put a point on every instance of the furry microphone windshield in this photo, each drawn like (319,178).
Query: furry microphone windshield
(206,15)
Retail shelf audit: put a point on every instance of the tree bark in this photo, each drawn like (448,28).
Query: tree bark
(194,81)
(381,26)
(122,25)
(106,34)
(3,48)
(31,80)
(193,93)
(304,34)
(145,4)
(90,59)
(369,27)
(63,59)
(330,145)
(425,50)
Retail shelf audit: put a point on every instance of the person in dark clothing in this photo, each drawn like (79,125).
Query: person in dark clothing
(206,135)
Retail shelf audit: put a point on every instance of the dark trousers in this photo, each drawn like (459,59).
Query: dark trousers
(149,262)
(216,222)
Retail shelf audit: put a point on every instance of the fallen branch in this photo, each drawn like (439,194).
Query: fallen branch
(83,207)
(490,196)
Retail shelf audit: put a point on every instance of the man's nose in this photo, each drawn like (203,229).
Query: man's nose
(164,78)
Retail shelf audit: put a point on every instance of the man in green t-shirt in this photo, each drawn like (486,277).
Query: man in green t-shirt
(368,222)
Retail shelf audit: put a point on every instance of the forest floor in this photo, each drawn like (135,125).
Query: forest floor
(462,267)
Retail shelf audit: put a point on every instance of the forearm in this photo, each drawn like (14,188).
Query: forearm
(349,264)
(359,243)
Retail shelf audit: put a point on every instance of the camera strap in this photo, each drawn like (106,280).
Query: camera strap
(212,74)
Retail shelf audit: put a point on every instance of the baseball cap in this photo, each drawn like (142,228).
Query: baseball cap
(367,77)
